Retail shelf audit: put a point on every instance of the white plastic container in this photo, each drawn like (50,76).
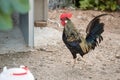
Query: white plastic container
(22,73)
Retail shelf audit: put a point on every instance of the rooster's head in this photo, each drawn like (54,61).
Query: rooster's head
(64,17)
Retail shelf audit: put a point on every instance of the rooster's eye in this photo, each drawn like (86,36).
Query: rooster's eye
(62,19)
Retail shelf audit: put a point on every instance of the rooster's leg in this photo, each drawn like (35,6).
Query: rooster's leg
(82,59)
(74,62)
(85,61)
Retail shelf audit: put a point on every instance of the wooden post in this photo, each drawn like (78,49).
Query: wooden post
(41,12)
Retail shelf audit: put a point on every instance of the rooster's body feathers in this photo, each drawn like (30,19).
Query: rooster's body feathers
(77,43)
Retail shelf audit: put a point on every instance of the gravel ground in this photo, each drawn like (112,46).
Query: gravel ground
(55,62)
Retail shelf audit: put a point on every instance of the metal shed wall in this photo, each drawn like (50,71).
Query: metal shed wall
(27,25)
(38,11)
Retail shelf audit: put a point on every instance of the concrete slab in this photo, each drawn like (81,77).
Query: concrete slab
(12,41)
(46,36)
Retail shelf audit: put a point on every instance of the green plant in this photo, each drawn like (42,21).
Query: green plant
(108,5)
(99,4)
(6,9)
(86,4)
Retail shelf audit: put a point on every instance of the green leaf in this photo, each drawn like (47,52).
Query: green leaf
(5,21)
(97,2)
(113,6)
(21,6)
(118,7)
(108,4)
(102,7)
(6,9)
(5,6)
(85,4)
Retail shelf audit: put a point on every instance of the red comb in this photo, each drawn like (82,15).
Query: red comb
(64,15)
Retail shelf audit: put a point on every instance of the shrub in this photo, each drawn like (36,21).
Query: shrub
(6,9)
(109,5)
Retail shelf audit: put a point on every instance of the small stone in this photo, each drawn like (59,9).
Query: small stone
(117,71)
(90,77)
(117,56)
(79,17)
(104,64)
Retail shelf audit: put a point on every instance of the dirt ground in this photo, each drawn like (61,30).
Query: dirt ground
(55,62)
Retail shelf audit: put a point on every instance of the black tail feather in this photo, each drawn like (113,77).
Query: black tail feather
(93,22)
(94,30)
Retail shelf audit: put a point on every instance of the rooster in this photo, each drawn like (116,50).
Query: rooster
(75,42)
